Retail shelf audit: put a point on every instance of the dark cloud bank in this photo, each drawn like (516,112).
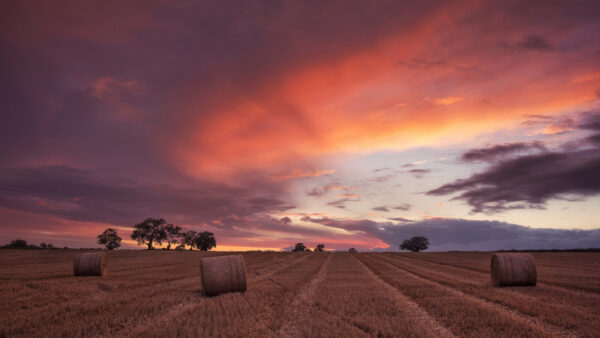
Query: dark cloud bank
(83,195)
(461,234)
(530,180)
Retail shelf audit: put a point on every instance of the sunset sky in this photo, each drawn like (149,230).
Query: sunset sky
(349,123)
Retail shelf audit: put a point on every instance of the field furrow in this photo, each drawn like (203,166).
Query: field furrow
(290,294)
(578,271)
(257,312)
(569,309)
(88,300)
(462,314)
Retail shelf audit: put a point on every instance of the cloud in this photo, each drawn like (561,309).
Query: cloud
(84,195)
(400,219)
(460,234)
(412,164)
(422,64)
(594,139)
(403,207)
(321,191)
(117,95)
(383,178)
(535,42)
(419,173)
(529,181)
(587,77)
(341,203)
(299,173)
(382,208)
(228,95)
(590,121)
(500,150)
(550,125)
(446,101)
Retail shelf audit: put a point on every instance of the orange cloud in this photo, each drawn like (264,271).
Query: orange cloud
(587,77)
(302,173)
(335,107)
(447,100)
(114,92)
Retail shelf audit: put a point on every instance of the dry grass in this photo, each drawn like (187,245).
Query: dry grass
(157,293)
(567,308)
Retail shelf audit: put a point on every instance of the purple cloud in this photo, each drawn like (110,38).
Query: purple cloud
(460,234)
(500,150)
(83,195)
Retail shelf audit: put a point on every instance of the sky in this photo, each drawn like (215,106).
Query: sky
(348,123)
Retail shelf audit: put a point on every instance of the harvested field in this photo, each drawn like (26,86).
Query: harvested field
(158,293)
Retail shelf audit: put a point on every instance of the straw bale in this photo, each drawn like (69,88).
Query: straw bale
(512,269)
(90,264)
(223,274)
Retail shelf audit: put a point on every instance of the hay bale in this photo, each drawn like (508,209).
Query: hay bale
(510,269)
(90,264)
(223,274)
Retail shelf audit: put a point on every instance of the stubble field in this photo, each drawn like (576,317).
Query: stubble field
(158,293)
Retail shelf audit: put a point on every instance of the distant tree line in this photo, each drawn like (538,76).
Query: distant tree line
(300,247)
(155,231)
(22,244)
(149,233)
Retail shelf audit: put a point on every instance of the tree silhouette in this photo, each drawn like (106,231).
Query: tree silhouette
(300,247)
(319,247)
(205,241)
(19,243)
(415,244)
(150,231)
(352,250)
(188,238)
(173,234)
(109,238)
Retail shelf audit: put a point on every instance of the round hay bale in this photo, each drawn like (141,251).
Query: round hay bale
(512,269)
(90,264)
(223,274)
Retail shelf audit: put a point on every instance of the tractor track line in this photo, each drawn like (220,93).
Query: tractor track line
(543,286)
(515,314)
(435,328)
(302,303)
(190,305)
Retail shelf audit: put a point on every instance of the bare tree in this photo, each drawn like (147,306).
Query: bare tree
(109,238)
(150,231)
